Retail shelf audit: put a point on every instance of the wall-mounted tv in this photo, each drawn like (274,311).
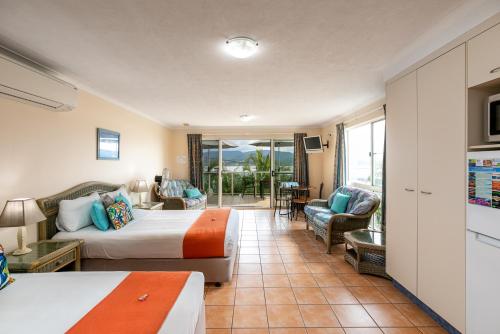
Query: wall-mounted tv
(313,144)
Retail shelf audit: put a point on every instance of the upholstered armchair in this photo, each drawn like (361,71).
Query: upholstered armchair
(171,193)
(331,226)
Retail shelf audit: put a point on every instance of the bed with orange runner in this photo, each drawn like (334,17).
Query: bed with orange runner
(104,302)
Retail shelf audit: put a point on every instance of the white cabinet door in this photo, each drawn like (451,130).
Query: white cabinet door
(442,187)
(401,147)
(484,57)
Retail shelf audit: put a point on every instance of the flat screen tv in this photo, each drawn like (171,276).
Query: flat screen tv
(313,144)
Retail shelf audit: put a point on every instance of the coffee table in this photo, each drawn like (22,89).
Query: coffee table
(365,251)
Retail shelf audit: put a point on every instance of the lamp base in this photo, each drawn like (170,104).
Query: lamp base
(26,250)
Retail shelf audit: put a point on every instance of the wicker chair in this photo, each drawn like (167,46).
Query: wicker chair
(330,226)
(171,193)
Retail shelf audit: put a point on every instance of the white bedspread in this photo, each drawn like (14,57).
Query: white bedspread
(154,234)
(54,302)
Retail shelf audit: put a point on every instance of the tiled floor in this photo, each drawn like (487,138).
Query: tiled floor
(284,282)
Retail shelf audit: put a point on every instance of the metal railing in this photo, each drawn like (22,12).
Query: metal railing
(241,182)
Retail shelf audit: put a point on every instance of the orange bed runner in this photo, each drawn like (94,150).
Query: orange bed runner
(205,238)
(122,312)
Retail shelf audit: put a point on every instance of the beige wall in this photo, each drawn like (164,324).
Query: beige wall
(44,152)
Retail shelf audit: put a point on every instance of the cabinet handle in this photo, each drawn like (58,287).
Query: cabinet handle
(409,190)
(426,192)
(495,70)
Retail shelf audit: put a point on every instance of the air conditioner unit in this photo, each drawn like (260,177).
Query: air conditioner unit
(27,84)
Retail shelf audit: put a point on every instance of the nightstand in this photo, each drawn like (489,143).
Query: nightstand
(47,256)
(149,206)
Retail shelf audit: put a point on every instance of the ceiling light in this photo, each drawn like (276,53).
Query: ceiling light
(241,47)
(246,118)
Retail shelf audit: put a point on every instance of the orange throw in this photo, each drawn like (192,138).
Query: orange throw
(205,238)
(122,312)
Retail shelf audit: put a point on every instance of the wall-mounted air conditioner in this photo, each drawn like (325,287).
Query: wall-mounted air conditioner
(26,84)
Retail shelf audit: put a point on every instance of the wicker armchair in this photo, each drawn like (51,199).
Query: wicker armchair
(171,193)
(330,226)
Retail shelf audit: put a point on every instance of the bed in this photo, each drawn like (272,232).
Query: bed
(34,303)
(152,242)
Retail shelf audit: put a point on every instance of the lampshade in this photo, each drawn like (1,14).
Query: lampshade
(140,186)
(21,212)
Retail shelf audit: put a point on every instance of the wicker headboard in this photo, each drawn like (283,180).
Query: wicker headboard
(50,205)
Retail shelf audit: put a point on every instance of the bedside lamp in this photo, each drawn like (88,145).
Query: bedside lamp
(140,186)
(19,213)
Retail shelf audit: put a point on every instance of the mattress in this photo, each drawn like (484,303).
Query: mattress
(34,302)
(153,234)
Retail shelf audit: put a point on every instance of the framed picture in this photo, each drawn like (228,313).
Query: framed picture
(108,145)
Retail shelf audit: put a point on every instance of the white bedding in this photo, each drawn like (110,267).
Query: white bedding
(153,234)
(54,302)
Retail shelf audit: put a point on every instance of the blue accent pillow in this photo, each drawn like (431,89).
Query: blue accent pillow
(99,216)
(340,201)
(5,278)
(193,193)
(121,198)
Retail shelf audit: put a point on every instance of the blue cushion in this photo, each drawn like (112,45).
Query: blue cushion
(193,193)
(121,198)
(340,201)
(5,278)
(99,216)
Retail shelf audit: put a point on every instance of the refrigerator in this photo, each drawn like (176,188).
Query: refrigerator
(483,243)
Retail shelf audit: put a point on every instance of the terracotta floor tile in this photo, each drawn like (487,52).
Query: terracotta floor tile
(267,243)
(249,296)
(325,331)
(276,281)
(432,330)
(249,250)
(268,250)
(250,317)
(319,268)
(249,259)
(309,296)
(393,294)
(219,331)
(339,295)
(386,315)
(288,249)
(353,316)
(249,269)
(296,268)
(279,296)
(342,268)
(220,296)
(379,281)
(417,317)
(313,257)
(318,316)
(273,268)
(271,258)
(249,281)
(287,331)
(250,331)
(284,316)
(328,280)
(363,331)
(354,280)
(302,280)
(368,295)
(407,330)
(249,243)
(219,316)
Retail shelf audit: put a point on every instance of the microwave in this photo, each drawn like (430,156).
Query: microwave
(492,119)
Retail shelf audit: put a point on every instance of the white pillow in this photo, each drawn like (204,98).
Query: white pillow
(122,190)
(75,214)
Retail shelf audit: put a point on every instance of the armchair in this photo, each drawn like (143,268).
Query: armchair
(171,193)
(331,226)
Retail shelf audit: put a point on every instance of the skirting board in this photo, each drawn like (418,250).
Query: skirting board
(436,317)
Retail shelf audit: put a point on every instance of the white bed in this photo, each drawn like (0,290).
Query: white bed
(54,302)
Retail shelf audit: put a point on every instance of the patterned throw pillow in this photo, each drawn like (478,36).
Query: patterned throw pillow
(107,200)
(5,278)
(119,215)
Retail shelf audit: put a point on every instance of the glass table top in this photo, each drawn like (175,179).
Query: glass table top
(369,237)
(38,251)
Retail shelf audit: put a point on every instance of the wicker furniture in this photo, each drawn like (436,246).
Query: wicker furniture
(171,193)
(47,256)
(149,206)
(365,251)
(330,226)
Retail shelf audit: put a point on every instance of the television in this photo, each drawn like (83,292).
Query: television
(313,144)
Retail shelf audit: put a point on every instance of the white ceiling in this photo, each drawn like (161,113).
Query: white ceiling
(317,59)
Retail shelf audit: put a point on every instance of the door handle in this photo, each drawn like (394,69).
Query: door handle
(409,190)
(426,192)
(496,69)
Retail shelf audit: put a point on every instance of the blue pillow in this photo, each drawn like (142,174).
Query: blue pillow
(5,278)
(193,193)
(99,216)
(339,204)
(121,198)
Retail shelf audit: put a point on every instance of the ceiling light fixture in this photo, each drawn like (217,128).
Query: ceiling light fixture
(241,47)
(246,118)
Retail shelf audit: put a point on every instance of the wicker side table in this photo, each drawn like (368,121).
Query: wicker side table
(365,251)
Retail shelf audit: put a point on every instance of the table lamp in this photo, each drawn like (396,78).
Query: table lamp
(140,186)
(21,212)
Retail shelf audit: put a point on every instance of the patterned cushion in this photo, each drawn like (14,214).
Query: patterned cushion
(190,202)
(119,215)
(311,211)
(174,188)
(361,200)
(5,278)
(323,218)
(107,200)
